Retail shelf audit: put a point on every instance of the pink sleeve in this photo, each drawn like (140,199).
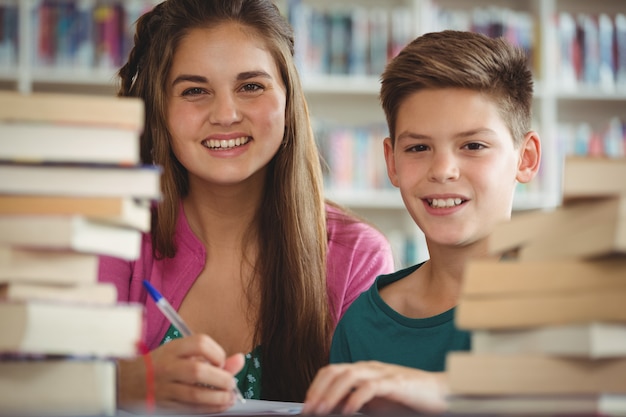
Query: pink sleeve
(127,276)
(118,272)
(357,254)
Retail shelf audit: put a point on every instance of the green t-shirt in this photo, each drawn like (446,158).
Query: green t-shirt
(248,379)
(371,330)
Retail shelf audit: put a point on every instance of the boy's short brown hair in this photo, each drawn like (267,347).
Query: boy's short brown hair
(458,59)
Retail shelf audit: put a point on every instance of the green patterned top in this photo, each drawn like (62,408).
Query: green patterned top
(248,379)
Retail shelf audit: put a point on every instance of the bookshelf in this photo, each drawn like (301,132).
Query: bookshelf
(563,109)
(343,99)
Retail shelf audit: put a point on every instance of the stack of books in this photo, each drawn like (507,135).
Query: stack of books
(548,321)
(72,188)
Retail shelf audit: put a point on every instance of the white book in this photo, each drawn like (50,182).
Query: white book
(70,329)
(593,340)
(70,233)
(81,180)
(56,142)
(57,387)
(544,405)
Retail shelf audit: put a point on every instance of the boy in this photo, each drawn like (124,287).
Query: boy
(458,108)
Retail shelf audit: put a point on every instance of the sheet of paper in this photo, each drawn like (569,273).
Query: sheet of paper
(249,408)
(262,407)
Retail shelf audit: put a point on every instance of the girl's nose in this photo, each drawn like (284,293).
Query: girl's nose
(224,110)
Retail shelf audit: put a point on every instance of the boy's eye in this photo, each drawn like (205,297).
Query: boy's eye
(417,148)
(475,146)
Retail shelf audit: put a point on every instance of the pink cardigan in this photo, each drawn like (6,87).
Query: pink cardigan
(357,254)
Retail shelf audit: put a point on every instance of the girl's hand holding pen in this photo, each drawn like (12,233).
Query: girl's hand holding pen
(192,372)
(183,371)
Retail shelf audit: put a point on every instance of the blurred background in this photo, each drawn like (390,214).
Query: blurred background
(576,49)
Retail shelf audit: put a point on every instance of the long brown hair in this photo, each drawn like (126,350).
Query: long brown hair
(294,326)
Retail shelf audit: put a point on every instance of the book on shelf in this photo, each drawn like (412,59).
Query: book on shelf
(73,109)
(57,387)
(585,177)
(97,293)
(538,405)
(527,374)
(86,180)
(70,233)
(591,340)
(620,40)
(62,267)
(70,329)
(123,211)
(521,294)
(56,142)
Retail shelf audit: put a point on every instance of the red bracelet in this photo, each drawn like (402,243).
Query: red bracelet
(147,359)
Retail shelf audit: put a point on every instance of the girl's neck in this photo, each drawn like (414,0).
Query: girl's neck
(220,220)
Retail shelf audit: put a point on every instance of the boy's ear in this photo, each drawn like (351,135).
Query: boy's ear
(530,157)
(391,162)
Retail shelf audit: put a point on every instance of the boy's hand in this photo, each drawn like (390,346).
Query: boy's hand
(376,386)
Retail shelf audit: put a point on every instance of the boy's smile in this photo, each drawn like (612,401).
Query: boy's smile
(455,163)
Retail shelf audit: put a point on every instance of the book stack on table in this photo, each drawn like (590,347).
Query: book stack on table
(72,188)
(548,320)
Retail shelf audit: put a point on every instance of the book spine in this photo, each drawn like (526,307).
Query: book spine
(520,312)
(620,41)
(470,374)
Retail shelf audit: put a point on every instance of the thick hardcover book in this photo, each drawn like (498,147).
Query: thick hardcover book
(541,310)
(141,182)
(123,211)
(522,294)
(538,405)
(591,340)
(55,142)
(70,233)
(77,109)
(77,329)
(43,266)
(491,278)
(593,177)
(57,387)
(599,231)
(98,293)
(491,374)
(584,228)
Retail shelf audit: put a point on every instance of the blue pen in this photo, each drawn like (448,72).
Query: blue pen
(171,314)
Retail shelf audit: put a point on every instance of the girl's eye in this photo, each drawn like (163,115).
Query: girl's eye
(194,91)
(252,87)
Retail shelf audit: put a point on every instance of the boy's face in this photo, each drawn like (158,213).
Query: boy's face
(455,164)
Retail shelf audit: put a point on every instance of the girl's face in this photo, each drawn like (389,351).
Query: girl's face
(226,105)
